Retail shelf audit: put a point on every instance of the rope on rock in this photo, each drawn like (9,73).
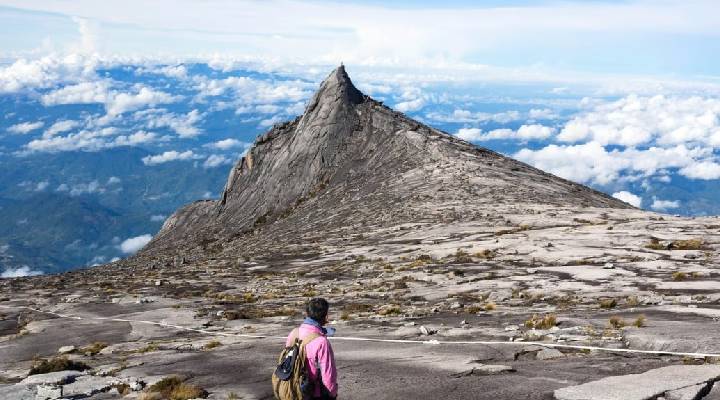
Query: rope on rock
(377,340)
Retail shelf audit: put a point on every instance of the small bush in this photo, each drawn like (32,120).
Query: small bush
(473,309)
(546,322)
(462,257)
(211,345)
(173,388)
(608,303)
(122,388)
(689,244)
(679,276)
(655,244)
(56,364)
(94,348)
(357,307)
(400,284)
(489,306)
(149,348)
(345,316)
(639,321)
(390,310)
(486,254)
(616,322)
(632,301)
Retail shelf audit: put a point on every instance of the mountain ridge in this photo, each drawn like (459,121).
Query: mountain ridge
(347,142)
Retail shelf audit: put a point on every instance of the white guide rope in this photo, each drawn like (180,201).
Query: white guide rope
(362,339)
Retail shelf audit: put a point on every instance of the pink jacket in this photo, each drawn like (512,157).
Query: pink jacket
(319,356)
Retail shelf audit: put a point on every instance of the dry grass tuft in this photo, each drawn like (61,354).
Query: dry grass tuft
(486,254)
(640,321)
(390,310)
(608,303)
(616,322)
(679,276)
(489,306)
(56,364)
(632,301)
(212,344)
(545,322)
(173,388)
(94,348)
(689,244)
(655,244)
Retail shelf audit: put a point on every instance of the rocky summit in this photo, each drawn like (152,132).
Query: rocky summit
(452,271)
(349,164)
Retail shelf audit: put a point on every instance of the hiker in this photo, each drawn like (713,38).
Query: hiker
(318,379)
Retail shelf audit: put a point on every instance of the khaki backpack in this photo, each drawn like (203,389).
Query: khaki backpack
(290,379)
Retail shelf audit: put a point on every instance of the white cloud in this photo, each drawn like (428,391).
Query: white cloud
(173,71)
(123,102)
(41,186)
(227,144)
(635,120)
(113,180)
(81,93)
(466,116)
(46,72)
(90,140)
(702,170)
(249,91)
(542,113)
(183,125)
(86,188)
(524,133)
(629,198)
(25,127)
(664,205)
(266,123)
(169,156)
(158,218)
(216,160)
(267,108)
(132,245)
(60,127)
(115,102)
(19,272)
(411,105)
(470,134)
(591,162)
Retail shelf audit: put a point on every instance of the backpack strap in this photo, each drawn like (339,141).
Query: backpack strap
(309,338)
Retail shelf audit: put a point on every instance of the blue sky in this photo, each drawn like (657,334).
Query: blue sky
(677,39)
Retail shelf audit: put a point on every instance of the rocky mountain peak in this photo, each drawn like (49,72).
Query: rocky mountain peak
(349,159)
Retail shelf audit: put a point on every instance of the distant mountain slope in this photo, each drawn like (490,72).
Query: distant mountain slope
(69,210)
(349,156)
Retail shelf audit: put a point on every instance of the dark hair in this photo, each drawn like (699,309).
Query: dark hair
(317,309)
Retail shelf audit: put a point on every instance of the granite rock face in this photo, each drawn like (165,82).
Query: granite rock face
(349,152)
(676,382)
